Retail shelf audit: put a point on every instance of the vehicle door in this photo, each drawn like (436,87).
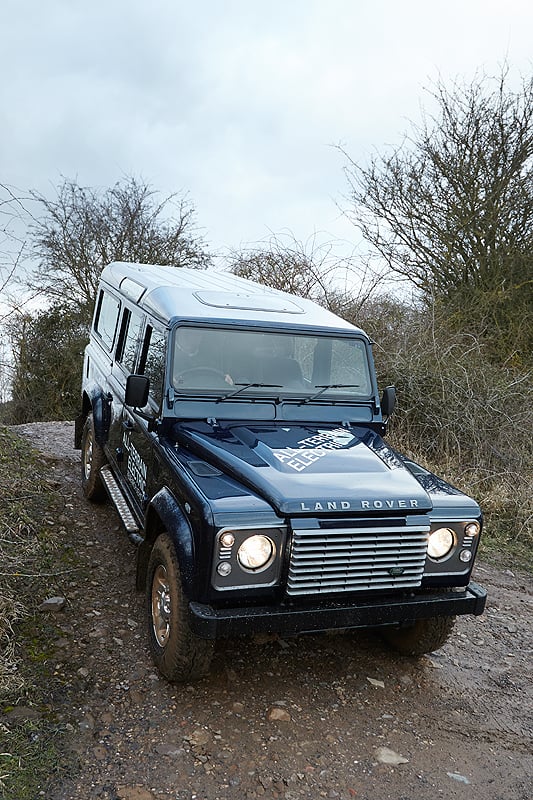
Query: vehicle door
(141,463)
(129,448)
(151,362)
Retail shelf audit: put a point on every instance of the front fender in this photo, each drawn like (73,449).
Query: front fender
(165,514)
(94,400)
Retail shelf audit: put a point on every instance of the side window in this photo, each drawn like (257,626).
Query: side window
(153,362)
(105,323)
(129,338)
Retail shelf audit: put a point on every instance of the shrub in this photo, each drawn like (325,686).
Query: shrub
(458,413)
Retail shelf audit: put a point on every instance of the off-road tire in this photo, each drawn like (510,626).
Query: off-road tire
(178,653)
(92,459)
(423,636)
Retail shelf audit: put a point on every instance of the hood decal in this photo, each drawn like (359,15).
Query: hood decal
(310,468)
(312,448)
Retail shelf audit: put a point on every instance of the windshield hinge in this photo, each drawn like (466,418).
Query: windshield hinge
(170,397)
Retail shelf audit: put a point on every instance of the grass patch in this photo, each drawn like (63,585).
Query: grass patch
(505,500)
(28,757)
(29,737)
(503,549)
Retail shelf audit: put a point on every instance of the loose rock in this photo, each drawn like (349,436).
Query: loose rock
(277,714)
(53,604)
(456,777)
(386,756)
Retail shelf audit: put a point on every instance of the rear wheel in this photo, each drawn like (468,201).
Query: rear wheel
(178,653)
(423,636)
(92,459)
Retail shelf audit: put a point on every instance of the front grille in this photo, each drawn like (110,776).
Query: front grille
(357,559)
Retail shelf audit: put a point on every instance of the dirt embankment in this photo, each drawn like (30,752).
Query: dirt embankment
(334,716)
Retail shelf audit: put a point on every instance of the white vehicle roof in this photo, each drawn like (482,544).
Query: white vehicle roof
(170,292)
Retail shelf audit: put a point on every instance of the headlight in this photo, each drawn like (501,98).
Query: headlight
(440,542)
(248,557)
(256,553)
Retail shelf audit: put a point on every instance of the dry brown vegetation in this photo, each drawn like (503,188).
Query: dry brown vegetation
(460,415)
(28,503)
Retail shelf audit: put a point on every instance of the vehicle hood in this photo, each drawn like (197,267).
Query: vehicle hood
(307,468)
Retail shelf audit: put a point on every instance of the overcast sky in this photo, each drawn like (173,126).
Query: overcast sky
(236,102)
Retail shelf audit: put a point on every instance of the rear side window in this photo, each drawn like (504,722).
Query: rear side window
(129,338)
(153,362)
(105,323)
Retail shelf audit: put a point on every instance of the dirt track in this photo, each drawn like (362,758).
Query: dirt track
(298,718)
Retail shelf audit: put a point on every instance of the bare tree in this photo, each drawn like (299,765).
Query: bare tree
(451,210)
(13,218)
(13,222)
(83,229)
(72,237)
(313,269)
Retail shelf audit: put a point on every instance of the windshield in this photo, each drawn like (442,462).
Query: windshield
(248,363)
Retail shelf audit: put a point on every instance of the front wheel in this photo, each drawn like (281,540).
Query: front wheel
(423,636)
(178,653)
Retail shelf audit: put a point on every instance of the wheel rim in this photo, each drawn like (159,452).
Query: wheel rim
(88,456)
(161,606)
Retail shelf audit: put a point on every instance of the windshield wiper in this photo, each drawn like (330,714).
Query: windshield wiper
(325,386)
(244,386)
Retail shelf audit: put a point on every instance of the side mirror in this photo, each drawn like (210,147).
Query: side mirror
(388,401)
(137,387)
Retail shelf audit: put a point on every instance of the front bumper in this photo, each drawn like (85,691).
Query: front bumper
(211,623)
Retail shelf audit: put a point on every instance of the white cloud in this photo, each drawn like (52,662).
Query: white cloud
(236,102)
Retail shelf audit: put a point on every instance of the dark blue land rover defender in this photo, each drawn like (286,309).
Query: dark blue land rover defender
(239,432)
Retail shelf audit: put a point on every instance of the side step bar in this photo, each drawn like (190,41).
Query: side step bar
(121,504)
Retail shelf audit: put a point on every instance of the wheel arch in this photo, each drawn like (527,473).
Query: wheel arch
(99,403)
(164,514)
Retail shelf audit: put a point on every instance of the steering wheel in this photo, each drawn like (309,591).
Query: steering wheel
(196,374)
